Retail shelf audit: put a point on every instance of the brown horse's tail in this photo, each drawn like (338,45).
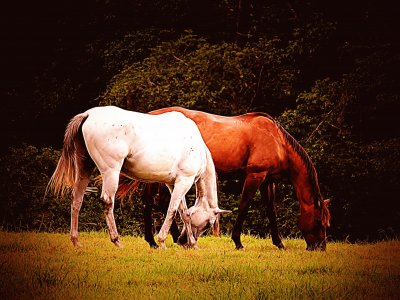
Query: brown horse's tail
(126,186)
(66,171)
(216,226)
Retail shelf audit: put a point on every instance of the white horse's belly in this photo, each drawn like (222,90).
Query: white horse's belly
(164,166)
(150,170)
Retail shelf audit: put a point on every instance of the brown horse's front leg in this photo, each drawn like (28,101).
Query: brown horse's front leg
(237,228)
(251,185)
(268,195)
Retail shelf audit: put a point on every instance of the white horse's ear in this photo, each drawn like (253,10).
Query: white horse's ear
(222,211)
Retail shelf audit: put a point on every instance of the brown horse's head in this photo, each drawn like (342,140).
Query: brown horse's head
(313,226)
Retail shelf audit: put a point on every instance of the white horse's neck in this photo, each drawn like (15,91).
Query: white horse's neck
(206,187)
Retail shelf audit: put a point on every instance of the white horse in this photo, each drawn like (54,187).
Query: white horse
(165,148)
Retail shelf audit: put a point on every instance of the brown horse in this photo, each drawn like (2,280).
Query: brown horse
(264,151)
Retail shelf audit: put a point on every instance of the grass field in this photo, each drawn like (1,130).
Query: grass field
(47,266)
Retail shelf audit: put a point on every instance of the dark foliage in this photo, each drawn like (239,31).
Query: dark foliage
(329,72)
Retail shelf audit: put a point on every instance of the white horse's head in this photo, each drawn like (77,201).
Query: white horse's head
(201,219)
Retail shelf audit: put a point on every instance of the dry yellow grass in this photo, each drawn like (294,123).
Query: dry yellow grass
(47,266)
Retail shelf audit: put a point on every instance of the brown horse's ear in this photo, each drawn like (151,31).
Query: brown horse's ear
(327,214)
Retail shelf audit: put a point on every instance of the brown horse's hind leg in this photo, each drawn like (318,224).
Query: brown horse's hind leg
(251,185)
(268,196)
(163,202)
(110,185)
(148,197)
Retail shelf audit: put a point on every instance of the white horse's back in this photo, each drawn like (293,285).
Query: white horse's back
(149,147)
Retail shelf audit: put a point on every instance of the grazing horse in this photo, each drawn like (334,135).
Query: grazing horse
(165,148)
(256,145)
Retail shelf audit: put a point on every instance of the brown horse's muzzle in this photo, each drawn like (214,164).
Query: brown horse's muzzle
(321,246)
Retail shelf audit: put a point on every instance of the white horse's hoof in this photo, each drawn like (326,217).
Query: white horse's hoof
(118,244)
(76,242)
(192,246)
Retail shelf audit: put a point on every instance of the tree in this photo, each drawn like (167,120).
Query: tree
(191,72)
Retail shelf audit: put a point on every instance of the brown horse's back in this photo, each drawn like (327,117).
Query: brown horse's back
(268,147)
(250,141)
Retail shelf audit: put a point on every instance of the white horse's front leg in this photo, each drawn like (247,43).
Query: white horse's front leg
(162,235)
(181,187)
(183,211)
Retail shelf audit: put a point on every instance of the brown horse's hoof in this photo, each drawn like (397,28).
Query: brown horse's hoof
(182,240)
(281,247)
(153,246)
(239,247)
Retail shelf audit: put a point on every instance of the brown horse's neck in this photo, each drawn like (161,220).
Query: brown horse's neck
(306,188)
(302,173)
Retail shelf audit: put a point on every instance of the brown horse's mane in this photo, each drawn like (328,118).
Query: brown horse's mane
(312,173)
(305,158)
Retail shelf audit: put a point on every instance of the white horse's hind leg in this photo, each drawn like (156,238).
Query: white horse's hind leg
(181,187)
(76,204)
(110,186)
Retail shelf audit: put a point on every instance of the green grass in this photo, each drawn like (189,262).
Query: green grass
(47,266)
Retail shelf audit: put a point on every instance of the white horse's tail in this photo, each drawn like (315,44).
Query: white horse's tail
(66,171)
